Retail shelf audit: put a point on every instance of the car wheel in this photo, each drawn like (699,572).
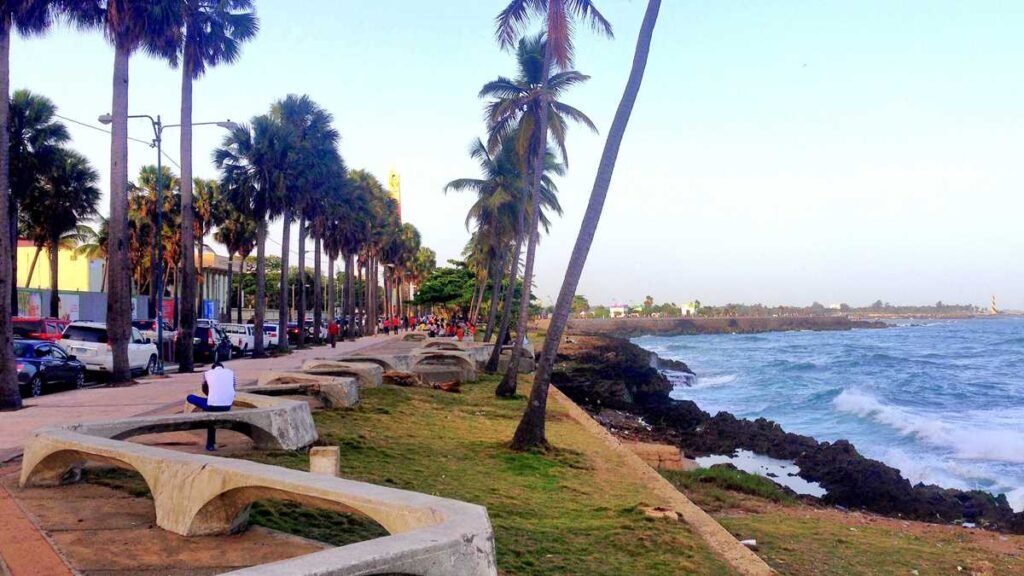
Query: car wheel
(80,380)
(151,365)
(35,387)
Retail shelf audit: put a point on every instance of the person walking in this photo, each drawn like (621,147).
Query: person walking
(332,333)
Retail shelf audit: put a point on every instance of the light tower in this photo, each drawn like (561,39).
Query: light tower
(395,189)
(994,309)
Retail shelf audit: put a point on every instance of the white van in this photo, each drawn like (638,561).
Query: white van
(242,336)
(88,341)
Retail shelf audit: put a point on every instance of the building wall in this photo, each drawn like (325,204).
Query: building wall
(75,272)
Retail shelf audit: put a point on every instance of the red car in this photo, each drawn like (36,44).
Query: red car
(50,329)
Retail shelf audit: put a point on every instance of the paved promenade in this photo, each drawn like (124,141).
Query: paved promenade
(150,395)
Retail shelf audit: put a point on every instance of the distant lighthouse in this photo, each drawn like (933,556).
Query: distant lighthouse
(993,309)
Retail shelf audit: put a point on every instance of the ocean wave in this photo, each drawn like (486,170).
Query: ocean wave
(969,443)
(712,381)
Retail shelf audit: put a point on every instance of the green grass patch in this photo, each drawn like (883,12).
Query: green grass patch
(573,509)
(335,528)
(728,478)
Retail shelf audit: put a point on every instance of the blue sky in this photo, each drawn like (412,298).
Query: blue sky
(780,152)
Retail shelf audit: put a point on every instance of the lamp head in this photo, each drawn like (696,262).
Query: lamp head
(228,125)
(105,118)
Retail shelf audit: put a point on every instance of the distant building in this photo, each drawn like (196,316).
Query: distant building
(75,273)
(618,311)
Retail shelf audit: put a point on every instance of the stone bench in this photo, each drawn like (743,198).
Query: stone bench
(333,391)
(479,351)
(198,495)
(367,374)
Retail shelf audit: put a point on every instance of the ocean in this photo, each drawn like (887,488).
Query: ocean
(942,401)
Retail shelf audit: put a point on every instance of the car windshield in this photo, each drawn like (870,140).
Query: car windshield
(22,349)
(86,334)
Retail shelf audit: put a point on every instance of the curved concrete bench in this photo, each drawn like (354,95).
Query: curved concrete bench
(414,337)
(334,392)
(478,351)
(426,357)
(203,495)
(272,423)
(369,375)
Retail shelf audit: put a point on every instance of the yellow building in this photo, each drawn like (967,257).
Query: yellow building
(76,273)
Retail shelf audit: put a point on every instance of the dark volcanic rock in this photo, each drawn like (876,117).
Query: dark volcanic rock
(600,372)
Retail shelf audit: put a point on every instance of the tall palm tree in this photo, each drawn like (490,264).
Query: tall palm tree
(531,430)
(252,160)
(27,17)
(130,25)
(528,107)
(237,232)
(212,34)
(36,140)
(66,196)
(312,162)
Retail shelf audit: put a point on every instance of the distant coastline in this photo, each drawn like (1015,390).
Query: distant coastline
(633,327)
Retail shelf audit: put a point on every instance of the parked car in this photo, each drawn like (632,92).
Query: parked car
(43,365)
(39,328)
(148,330)
(89,342)
(211,344)
(293,332)
(310,331)
(270,337)
(243,337)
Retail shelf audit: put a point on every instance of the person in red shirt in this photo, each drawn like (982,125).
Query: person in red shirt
(332,333)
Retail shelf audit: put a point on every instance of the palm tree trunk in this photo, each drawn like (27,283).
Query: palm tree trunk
(282,318)
(301,281)
(119,307)
(496,280)
(10,396)
(332,289)
(361,296)
(318,300)
(241,289)
(531,430)
(260,305)
(54,276)
(188,278)
(231,257)
(349,297)
(200,282)
(103,282)
(32,268)
(506,312)
(511,378)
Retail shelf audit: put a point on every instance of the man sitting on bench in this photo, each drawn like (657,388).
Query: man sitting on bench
(219,388)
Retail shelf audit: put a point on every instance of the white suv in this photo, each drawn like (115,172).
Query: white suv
(88,341)
(242,336)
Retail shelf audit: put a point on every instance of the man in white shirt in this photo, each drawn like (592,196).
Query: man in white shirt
(219,387)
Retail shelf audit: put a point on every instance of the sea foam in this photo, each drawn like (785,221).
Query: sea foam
(965,440)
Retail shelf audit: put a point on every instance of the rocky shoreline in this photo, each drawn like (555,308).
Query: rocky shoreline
(625,388)
(630,327)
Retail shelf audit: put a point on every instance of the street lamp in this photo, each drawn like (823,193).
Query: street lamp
(158,248)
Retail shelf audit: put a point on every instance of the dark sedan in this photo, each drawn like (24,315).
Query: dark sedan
(44,365)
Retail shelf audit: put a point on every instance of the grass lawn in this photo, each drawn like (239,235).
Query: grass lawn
(798,539)
(574,510)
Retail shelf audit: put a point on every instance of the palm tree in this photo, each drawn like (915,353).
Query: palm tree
(237,232)
(311,165)
(252,163)
(212,34)
(36,137)
(129,25)
(531,430)
(206,200)
(66,196)
(27,17)
(94,245)
(528,108)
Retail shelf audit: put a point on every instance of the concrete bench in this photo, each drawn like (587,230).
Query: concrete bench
(423,360)
(198,495)
(479,351)
(333,391)
(367,374)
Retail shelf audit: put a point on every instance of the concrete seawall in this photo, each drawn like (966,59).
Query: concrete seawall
(630,327)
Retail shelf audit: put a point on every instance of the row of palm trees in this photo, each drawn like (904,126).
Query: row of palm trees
(285,164)
(525,148)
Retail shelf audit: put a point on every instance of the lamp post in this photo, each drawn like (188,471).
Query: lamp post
(158,247)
